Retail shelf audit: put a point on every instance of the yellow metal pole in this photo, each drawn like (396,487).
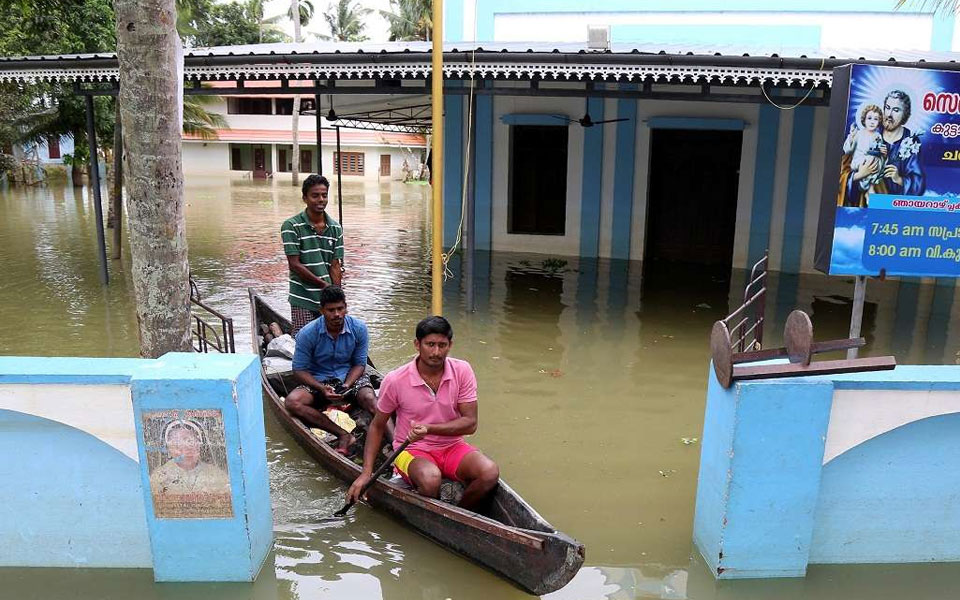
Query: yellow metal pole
(436,169)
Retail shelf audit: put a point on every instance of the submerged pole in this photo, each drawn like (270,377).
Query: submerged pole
(339,169)
(316,100)
(856,316)
(95,191)
(436,168)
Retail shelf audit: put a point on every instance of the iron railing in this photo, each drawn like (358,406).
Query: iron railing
(747,332)
(206,337)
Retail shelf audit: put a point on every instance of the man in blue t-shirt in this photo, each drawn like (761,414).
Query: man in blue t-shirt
(330,363)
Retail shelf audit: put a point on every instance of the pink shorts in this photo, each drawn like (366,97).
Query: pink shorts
(448,459)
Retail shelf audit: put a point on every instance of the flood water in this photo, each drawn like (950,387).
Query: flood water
(590,373)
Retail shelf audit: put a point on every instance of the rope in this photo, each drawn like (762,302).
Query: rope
(446,256)
(823,62)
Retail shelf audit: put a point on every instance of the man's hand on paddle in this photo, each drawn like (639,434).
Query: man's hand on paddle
(417,432)
(353,494)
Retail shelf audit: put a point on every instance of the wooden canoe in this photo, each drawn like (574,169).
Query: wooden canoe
(512,540)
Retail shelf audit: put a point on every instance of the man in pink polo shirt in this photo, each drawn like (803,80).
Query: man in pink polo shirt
(435,401)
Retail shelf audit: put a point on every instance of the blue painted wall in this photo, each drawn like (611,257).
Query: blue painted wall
(761,213)
(591,183)
(768,507)
(483,193)
(785,36)
(453,20)
(486,11)
(801,142)
(453,155)
(713,479)
(759,476)
(893,496)
(67,498)
(623,174)
(211,549)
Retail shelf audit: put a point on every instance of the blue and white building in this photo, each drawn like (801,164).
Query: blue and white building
(716,176)
(713,152)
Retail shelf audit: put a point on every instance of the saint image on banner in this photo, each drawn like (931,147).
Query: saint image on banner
(881,154)
(186,456)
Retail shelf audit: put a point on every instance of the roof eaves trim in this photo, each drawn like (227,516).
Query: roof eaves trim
(635,72)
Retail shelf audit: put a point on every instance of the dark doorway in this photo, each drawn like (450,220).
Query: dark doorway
(538,179)
(384,165)
(692,202)
(259,163)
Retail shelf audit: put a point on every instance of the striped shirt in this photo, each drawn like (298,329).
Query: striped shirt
(316,252)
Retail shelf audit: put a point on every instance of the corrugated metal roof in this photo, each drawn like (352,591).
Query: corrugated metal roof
(567,61)
(685,49)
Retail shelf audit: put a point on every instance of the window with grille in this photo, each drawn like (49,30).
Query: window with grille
(284,106)
(249,106)
(351,163)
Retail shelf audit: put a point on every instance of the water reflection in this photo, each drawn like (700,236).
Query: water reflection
(591,372)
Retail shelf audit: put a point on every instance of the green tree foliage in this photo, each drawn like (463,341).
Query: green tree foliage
(345,21)
(30,114)
(14,109)
(233,24)
(410,20)
(56,27)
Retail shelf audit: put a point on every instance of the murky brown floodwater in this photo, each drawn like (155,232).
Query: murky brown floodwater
(589,378)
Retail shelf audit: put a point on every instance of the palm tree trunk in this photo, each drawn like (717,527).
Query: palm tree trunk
(295,125)
(151,58)
(76,168)
(295,122)
(117,205)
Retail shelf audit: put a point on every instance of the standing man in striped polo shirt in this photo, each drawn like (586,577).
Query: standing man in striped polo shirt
(313,243)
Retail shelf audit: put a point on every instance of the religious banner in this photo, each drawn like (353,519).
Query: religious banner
(187,462)
(890,199)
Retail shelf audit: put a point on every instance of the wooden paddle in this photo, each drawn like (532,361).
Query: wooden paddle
(383,467)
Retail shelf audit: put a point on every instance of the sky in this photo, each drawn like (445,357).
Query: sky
(377,29)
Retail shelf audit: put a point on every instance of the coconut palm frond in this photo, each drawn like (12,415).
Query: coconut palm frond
(306,12)
(410,20)
(200,122)
(946,7)
(346,22)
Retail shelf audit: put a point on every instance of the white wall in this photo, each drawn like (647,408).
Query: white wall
(880,30)
(205,158)
(860,415)
(104,411)
(209,158)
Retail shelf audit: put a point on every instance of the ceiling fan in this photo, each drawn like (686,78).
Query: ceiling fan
(586,121)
